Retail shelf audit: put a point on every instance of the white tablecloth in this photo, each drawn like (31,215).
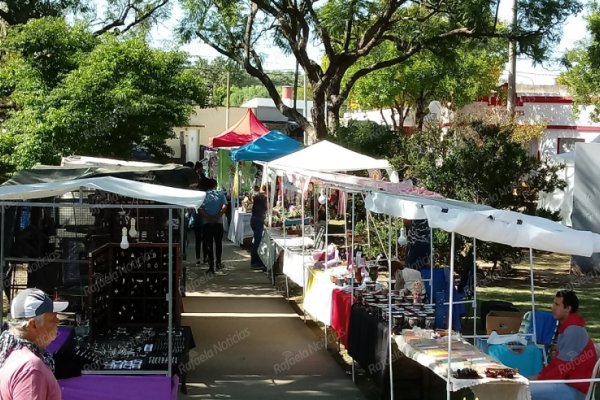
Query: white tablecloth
(240,227)
(432,353)
(273,242)
(319,293)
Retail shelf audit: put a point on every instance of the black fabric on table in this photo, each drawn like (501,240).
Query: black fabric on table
(368,342)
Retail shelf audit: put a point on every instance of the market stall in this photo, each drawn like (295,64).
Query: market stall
(483,223)
(297,171)
(110,248)
(267,147)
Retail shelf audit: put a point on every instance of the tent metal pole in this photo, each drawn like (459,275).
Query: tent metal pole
(328,193)
(532,294)
(2,264)
(450,317)
(352,275)
(431,265)
(182,249)
(474,288)
(345,195)
(389,262)
(170,294)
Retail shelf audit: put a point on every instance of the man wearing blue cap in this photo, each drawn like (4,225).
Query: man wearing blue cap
(26,369)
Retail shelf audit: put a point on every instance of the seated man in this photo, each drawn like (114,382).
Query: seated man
(575,357)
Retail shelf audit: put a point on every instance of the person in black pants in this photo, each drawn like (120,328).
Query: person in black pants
(213,208)
(257,223)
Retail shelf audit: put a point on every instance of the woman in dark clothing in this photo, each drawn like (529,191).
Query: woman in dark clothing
(257,223)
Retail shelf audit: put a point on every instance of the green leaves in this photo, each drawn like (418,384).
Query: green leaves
(583,73)
(79,94)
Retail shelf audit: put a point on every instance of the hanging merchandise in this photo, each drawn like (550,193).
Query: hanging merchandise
(132,231)
(402,239)
(124,243)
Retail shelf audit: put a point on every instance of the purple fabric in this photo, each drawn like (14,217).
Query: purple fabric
(120,387)
(63,335)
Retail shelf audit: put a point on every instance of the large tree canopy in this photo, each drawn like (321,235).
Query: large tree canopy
(452,76)
(348,30)
(583,67)
(73,92)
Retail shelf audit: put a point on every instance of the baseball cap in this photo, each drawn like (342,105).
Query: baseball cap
(32,302)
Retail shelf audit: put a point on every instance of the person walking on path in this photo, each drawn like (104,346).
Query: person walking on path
(26,369)
(213,208)
(257,223)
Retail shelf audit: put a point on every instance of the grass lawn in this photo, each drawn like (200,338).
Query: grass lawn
(551,272)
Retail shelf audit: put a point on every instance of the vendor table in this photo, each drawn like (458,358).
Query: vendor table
(114,385)
(274,242)
(240,227)
(433,354)
(122,387)
(318,297)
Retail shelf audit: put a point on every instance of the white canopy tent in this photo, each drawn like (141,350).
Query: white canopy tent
(325,156)
(487,224)
(124,187)
(98,162)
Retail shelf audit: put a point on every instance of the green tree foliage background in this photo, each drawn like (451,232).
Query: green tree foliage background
(72,92)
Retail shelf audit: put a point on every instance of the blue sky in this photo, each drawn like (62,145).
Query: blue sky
(527,73)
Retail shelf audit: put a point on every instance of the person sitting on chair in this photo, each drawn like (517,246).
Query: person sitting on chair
(575,357)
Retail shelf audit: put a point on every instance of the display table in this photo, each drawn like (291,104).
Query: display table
(433,354)
(120,387)
(240,227)
(274,242)
(318,297)
(98,382)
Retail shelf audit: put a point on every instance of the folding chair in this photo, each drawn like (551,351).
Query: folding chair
(545,326)
(591,395)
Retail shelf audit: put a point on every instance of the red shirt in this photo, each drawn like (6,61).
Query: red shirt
(576,356)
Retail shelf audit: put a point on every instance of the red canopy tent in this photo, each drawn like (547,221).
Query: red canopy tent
(244,131)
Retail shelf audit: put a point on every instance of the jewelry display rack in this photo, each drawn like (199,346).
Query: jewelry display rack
(128,287)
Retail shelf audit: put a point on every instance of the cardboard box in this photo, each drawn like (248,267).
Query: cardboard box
(503,322)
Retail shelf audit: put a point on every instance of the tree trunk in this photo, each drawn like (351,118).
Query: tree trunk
(420,113)
(318,118)
(387,125)
(333,117)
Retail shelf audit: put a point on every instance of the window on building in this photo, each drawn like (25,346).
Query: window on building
(566,145)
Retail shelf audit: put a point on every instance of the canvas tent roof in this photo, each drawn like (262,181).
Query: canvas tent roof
(100,162)
(169,174)
(486,223)
(124,187)
(244,131)
(266,148)
(327,157)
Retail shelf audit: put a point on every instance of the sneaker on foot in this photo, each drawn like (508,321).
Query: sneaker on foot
(220,272)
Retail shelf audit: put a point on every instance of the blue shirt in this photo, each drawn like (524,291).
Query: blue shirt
(214,202)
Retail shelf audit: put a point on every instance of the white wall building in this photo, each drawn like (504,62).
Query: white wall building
(265,110)
(549,105)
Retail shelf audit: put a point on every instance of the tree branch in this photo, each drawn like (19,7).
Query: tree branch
(348,30)
(138,20)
